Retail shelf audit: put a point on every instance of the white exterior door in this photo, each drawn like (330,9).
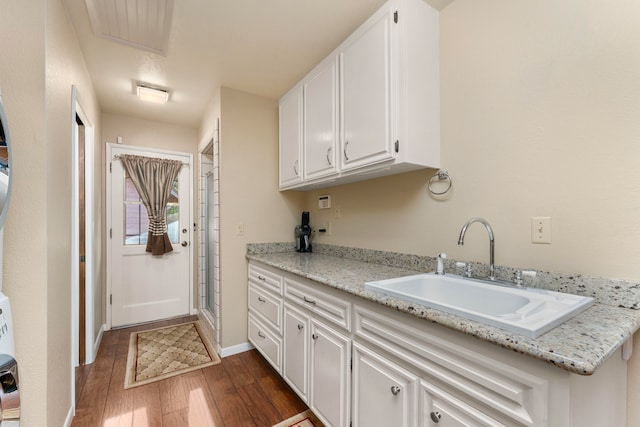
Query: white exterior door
(143,287)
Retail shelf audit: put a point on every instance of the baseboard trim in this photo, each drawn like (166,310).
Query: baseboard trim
(69,419)
(96,345)
(240,348)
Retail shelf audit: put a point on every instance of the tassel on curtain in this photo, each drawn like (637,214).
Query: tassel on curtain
(153,178)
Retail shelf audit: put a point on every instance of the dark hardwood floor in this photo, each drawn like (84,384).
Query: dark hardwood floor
(241,391)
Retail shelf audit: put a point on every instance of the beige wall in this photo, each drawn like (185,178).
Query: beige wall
(25,250)
(37,274)
(248,195)
(540,106)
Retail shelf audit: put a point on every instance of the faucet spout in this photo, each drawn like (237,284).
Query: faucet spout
(484,222)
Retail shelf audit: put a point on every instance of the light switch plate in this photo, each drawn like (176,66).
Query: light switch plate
(541,229)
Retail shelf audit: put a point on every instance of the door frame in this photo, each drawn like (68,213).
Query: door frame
(152,151)
(91,341)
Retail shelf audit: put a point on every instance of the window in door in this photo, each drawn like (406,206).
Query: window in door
(137,220)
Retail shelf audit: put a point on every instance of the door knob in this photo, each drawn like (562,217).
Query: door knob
(184,243)
(395,390)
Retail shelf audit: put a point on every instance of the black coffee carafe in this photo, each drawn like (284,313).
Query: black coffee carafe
(303,234)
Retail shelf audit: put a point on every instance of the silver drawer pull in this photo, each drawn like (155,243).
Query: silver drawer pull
(260,299)
(300,326)
(261,335)
(310,301)
(261,278)
(435,417)
(395,390)
(315,336)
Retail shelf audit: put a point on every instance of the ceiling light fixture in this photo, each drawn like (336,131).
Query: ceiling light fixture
(152,94)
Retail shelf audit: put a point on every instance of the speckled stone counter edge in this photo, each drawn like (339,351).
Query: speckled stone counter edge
(580,345)
(618,293)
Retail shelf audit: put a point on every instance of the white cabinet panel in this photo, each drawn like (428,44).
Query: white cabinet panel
(267,306)
(267,342)
(296,351)
(321,120)
(330,379)
(384,394)
(290,122)
(366,94)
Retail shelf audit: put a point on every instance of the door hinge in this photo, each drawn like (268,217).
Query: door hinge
(351,364)
(110,299)
(397,146)
(395,16)
(110,167)
(111,233)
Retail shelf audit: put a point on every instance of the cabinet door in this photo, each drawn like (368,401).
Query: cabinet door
(296,350)
(384,394)
(290,122)
(366,73)
(320,120)
(442,409)
(330,379)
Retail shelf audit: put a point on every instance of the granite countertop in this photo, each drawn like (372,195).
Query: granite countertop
(579,345)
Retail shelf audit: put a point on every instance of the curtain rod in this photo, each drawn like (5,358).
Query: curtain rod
(117,157)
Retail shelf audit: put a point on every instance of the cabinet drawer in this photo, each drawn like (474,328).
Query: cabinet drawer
(266,306)
(335,310)
(267,343)
(266,278)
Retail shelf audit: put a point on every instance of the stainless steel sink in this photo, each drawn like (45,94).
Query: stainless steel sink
(527,311)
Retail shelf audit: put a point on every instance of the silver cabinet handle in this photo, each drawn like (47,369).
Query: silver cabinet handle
(9,393)
(262,278)
(261,335)
(329,150)
(300,326)
(435,416)
(310,301)
(395,390)
(345,150)
(315,336)
(260,299)
(295,167)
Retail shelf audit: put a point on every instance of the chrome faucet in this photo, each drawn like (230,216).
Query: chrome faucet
(483,221)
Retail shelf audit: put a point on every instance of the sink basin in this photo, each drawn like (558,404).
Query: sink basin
(527,311)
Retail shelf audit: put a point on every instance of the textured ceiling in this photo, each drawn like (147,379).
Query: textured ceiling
(257,46)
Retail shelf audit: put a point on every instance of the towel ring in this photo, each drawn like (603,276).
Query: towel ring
(441,175)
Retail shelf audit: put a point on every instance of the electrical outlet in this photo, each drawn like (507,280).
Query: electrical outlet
(541,229)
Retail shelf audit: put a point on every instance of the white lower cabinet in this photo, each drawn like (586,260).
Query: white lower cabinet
(384,394)
(296,351)
(356,363)
(329,375)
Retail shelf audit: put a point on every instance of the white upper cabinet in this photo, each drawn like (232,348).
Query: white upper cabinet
(290,122)
(366,94)
(372,107)
(321,120)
